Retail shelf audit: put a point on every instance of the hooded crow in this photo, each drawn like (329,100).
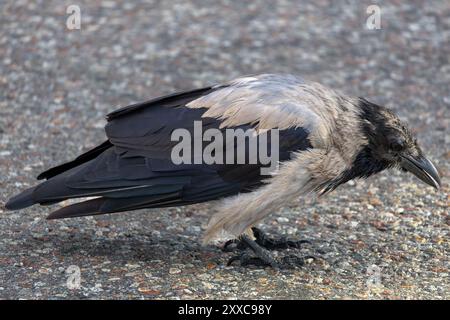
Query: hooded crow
(325,138)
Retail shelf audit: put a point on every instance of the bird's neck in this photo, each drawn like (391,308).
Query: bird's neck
(367,162)
(363,166)
(356,140)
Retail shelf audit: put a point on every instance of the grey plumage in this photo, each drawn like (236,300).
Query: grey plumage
(327,138)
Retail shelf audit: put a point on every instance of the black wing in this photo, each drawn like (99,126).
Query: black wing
(133,169)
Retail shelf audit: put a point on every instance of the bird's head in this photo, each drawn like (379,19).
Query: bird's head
(393,144)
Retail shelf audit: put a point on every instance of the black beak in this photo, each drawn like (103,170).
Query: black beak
(423,169)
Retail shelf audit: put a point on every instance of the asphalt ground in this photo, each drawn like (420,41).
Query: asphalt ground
(386,238)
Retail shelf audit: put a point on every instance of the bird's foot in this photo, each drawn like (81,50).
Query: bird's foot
(263,258)
(264,241)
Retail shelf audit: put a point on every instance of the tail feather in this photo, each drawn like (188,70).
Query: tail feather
(81,209)
(103,205)
(22,200)
(85,157)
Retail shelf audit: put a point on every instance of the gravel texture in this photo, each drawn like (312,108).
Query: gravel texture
(56,85)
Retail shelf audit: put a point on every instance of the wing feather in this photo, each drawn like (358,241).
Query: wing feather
(133,169)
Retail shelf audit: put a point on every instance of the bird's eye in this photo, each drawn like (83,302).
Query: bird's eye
(397,144)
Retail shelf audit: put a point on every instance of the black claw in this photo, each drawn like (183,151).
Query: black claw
(227,247)
(232,245)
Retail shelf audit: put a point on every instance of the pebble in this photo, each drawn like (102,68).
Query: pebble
(174,270)
(375,201)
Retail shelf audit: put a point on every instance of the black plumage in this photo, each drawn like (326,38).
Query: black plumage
(133,168)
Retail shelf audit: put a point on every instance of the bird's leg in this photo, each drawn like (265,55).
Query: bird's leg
(260,247)
(264,241)
(263,257)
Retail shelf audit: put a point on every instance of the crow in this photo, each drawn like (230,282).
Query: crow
(325,138)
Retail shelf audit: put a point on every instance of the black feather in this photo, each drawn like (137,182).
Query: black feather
(180,98)
(134,170)
(91,154)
